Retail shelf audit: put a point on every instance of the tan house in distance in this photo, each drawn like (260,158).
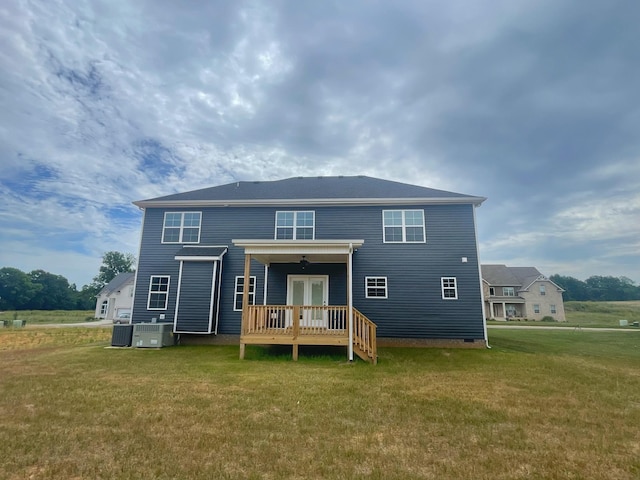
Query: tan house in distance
(512,293)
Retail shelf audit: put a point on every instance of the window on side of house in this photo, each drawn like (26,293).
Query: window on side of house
(449,288)
(492,291)
(403,226)
(543,290)
(536,308)
(552,308)
(508,292)
(375,287)
(103,307)
(181,227)
(239,292)
(295,225)
(158,292)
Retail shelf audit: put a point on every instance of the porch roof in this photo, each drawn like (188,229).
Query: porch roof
(291,251)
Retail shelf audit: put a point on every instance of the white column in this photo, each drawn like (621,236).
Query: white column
(350,301)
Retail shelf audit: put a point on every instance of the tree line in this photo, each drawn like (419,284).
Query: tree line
(597,288)
(41,290)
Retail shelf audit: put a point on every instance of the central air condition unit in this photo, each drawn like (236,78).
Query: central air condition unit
(121,336)
(152,335)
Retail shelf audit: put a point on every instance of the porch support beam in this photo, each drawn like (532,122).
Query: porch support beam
(245,299)
(350,300)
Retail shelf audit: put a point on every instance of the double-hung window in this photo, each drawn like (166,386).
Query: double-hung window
(403,226)
(543,290)
(295,225)
(158,292)
(181,227)
(375,287)
(449,288)
(239,292)
(508,292)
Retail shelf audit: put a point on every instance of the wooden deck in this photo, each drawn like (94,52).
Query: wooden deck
(307,325)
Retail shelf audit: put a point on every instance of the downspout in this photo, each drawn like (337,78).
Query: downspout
(266,281)
(350,302)
(484,315)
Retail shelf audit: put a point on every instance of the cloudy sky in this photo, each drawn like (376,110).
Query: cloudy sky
(534,104)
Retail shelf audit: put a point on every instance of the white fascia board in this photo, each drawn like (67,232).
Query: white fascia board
(477,201)
(297,247)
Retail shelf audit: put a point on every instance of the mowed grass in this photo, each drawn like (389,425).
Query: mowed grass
(49,316)
(590,314)
(539,404)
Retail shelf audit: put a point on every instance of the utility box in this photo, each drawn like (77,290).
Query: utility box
(152,335)
(121,336)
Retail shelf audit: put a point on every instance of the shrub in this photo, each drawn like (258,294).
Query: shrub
(547,318)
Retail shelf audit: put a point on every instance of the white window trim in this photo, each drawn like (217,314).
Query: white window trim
(454,288)
(404,227)
(552,309)
(104,307)
(181,227)
(166,298)
(543,290)
(236,293)
(385,288)
(536,308)
(511,289)
(295,225)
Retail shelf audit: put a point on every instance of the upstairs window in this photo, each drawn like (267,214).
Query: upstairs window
(295,225)
(181,227)
(543,290)
(449,288)
(508,292)
(403,226)
(375,287)
(158,292)
(492,291)
(239,292)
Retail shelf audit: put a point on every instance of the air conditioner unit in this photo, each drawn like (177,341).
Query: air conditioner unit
(121,336)
(152,335)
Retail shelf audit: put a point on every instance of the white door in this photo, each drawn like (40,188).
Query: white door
(309,291)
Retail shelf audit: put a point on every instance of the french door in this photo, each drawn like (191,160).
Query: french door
(309,291)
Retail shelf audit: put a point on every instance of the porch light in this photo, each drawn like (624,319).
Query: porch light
(304,262)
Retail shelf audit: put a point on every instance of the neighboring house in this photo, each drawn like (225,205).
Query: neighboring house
(520,293)
(116,298)
(325,261)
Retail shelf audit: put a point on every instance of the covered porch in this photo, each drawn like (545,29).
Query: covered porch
(307,317)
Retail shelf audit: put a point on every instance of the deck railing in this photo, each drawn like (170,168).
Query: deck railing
(289,323)
(296,320)
(364,337)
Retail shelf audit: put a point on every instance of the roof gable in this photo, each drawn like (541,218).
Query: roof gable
(117,282)
(349,189)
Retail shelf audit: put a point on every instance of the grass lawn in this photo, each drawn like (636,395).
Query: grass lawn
(590,314)
(49,316)
(539,404)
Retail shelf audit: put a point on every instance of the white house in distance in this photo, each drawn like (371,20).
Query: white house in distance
(513,293)
(116,298)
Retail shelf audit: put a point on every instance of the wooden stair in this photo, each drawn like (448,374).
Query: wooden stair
(364,338)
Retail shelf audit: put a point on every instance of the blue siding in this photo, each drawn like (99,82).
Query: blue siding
(414,307)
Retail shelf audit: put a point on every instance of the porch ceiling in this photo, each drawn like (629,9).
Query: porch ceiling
(291,251)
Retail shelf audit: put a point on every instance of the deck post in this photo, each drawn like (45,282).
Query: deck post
(350,301)
(295,352)
(245,299)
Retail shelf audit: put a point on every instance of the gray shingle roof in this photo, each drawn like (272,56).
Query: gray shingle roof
(116,283)
(310,188)
(501,275)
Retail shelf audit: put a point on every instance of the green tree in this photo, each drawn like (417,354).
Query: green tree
(55,292)
(574,289)
(16,289)
(113,263)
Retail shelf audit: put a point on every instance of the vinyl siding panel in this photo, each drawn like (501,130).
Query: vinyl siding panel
(194,307)
(414,307)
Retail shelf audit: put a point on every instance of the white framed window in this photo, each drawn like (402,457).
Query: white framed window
(543,290)
(508,292)
(553,308)
(239,292)
(295,225)
(103,307)
(403,226)
(375,287)
(536,308)
(181,227)
(158,292)
(449,288)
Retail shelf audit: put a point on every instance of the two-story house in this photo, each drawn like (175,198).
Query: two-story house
(519,293)
(115,299)
(353,261)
